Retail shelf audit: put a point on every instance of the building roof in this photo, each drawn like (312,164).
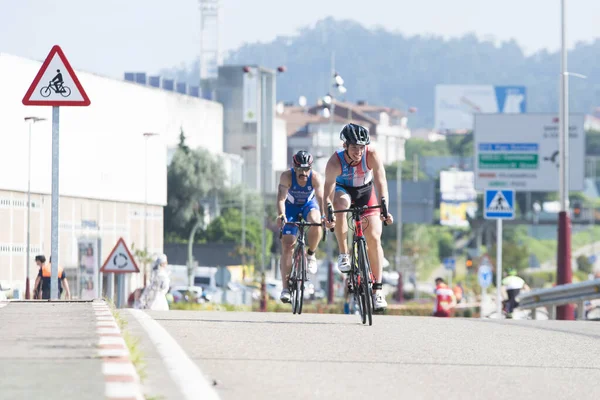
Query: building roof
(298,117)
(372,108)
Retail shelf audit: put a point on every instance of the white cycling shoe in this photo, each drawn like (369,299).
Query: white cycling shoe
(344,263)
(379,302)
(311,264)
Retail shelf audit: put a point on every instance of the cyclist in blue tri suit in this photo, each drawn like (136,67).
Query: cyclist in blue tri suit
(300,192)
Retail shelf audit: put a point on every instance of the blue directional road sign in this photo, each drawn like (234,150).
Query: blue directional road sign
(499,204)
(450,263)
(484,275)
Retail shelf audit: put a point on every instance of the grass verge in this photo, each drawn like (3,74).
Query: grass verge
(135,353)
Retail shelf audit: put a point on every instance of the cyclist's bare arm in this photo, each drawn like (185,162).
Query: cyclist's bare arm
(332,170)
(285,182)
(317,181)
(379,178)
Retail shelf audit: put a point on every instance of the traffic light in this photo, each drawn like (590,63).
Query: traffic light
(577,209)
(469,262)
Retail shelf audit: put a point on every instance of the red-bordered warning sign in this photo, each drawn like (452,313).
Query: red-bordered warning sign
(120,260)
(56,84)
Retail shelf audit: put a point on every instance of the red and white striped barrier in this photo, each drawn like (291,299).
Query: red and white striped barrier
(122,380)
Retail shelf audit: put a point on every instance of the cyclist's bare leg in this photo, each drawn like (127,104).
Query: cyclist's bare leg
(341,201)
(374,249)
(287,249)
(314,232)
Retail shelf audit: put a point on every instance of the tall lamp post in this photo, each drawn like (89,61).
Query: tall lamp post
(146,135)
(31,120)
(245,149)
(401,157)
(337,83)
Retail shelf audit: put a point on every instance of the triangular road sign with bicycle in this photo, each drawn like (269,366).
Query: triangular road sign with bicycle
(56,84)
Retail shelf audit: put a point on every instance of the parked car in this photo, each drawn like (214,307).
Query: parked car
(188,294)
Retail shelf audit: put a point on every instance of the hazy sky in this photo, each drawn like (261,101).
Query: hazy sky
(112,36)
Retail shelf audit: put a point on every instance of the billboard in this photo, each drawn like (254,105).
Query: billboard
(521,152)
(456,105)
(88,253)
(458,197)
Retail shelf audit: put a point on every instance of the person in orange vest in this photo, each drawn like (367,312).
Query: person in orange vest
(444,299)
(458,292)
(42,282)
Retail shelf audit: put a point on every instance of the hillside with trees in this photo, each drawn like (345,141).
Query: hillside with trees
(396,70)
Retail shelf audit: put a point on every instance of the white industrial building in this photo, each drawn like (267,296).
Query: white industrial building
(103,169)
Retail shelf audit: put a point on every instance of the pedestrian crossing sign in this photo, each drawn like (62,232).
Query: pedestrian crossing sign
(499,204)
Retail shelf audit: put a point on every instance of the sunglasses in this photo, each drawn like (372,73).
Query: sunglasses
(303,169)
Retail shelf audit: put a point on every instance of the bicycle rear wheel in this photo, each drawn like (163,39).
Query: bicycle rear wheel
(365,277)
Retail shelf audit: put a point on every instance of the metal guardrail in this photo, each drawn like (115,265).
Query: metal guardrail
(560,295)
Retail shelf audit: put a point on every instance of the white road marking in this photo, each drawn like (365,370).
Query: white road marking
(184,372)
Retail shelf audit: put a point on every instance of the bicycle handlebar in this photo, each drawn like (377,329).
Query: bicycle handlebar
(357,209)
(300,224)
(383,206)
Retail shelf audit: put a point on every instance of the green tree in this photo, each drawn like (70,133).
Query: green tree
(460,145)
(513,255)
(584,264)
(228,228)
(445,243)
(420,243)
(193,175)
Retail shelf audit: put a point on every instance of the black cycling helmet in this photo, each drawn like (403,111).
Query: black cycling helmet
(302,159)
(355,134)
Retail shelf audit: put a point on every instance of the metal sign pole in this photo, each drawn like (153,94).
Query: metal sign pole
(55,204)
(499,267)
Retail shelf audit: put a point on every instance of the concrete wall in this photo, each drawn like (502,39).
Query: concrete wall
(105,221)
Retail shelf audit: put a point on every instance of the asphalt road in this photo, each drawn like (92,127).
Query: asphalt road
(49,351)
(282,356)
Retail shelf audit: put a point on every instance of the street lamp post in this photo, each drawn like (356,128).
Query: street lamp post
(243,189)
(146,135)
(564,272)
(31,120)
(401,157)
(338,84)
(400,286)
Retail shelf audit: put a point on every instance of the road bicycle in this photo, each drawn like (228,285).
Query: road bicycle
(360,277)
(64,91)
(298,276)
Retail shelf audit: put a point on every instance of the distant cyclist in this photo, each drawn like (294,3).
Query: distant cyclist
(300,192)
(513,285)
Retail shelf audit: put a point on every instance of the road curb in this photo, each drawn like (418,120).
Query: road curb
(121,379)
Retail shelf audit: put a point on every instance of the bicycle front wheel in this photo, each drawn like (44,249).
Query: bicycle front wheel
(356,284)
(300,282)
(292,282)
(365,277)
